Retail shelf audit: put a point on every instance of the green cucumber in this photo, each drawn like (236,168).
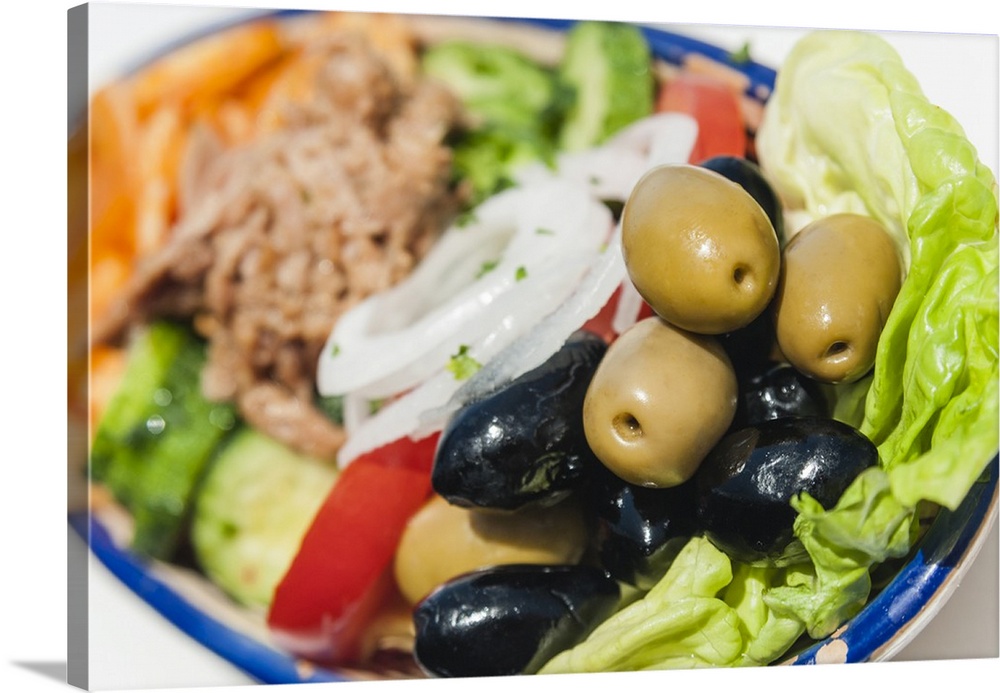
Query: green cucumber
(254,506)
(608,66)
(158,434)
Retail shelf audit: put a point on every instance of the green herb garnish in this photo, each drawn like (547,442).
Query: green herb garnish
(741,55)
(465,218)
(487,267)
(461,365)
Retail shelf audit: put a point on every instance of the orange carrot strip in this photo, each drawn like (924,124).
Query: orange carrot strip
(107,277)
(161,144)
(114,140)
(107,367)
(295,84)
(208,67)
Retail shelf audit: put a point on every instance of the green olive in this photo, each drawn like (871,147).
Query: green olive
(659,400)
(699,249)
(443,541)
(840,276)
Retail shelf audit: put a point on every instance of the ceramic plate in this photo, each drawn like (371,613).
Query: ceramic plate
(891,619)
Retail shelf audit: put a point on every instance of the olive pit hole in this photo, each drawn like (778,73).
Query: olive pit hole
(742,276)
(838,351)
(627,427)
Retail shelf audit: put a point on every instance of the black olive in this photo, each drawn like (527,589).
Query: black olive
(749,348)
(509,619)
(779,390)
(638,530)
(746,483)
(748,176)
(524,443)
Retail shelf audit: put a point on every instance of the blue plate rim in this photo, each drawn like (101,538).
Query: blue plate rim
(890,619)
(923,580)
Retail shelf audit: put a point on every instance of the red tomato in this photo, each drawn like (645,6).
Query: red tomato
(342,572)
(715,106)
(601,324)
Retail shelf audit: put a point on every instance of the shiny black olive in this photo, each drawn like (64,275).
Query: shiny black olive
(746,483)
(748,176)
(509,619)
(776,392)
(524,443)
(638,530)
(750,348)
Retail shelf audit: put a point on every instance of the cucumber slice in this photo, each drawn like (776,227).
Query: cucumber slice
(255,505)
(157,435)
(608,67)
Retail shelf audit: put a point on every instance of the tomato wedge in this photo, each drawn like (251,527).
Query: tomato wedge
(715,106)
(342,572)
(602,324)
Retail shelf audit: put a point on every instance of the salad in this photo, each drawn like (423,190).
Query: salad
(321,460)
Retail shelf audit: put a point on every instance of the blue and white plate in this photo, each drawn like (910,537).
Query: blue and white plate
(891,620)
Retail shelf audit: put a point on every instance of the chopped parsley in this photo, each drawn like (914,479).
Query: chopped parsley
(332,407)
(741,55)
(487,267)
(465,218)
(520,273)
(544,232)
(335,350)
(461,365)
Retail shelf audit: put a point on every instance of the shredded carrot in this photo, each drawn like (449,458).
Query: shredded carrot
(239,82)
(389,34)
(257,87)
(160,148)
(107,276)
(114,134)
(208,67)
(107,367)
(294,84)
(233,121)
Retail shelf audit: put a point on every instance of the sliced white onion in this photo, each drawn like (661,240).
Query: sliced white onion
(509,331)
(357,410)
(613,169)
(664,138)
(518,311)
(661,139)
(629,306)
(398,418)
(533,348)
(396,339)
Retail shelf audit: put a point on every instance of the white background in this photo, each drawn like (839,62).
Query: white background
(137,651)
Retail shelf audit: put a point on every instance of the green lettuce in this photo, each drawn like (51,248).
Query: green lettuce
(706,611)
(868,526)
(848,129)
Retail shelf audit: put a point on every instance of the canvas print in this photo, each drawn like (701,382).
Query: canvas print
(416,346)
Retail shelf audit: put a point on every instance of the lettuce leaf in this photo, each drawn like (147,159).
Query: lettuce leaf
(828,142)
(767,633)
(700,614)
(848,129)
(868,526)
(680,623)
